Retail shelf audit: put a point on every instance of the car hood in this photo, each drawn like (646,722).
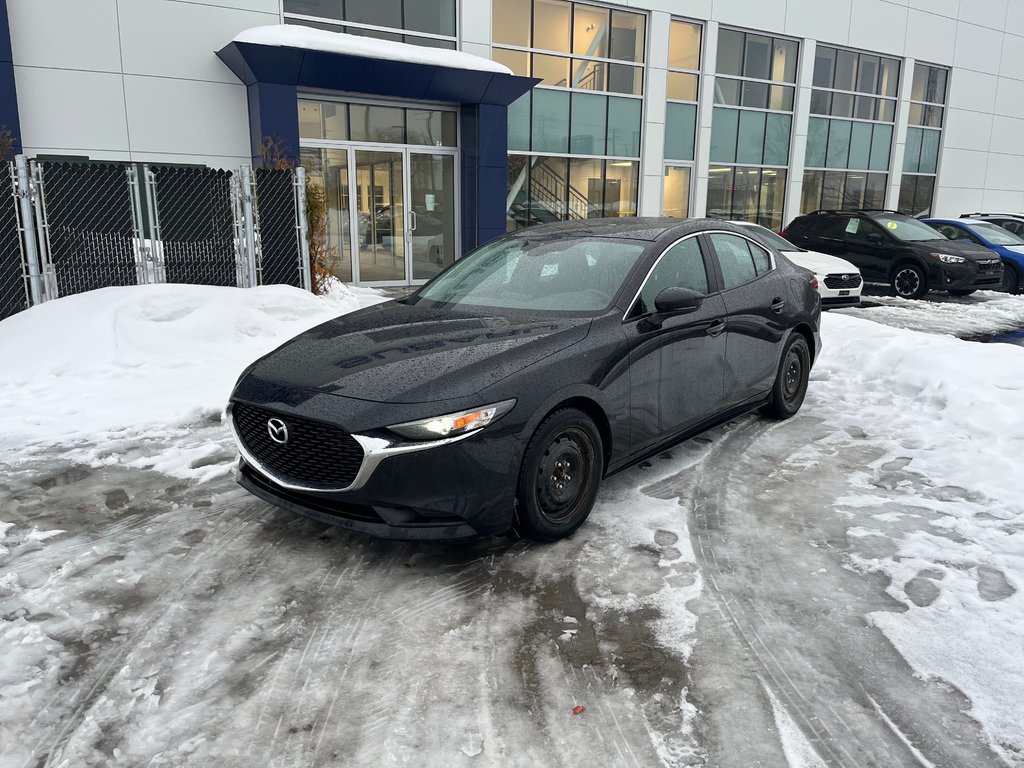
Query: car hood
(957,248)
(400,353)
(821,263)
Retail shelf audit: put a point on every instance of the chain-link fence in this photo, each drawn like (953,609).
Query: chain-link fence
(90,233)
(73,227)
(195,228)
(280,256)
(13,288)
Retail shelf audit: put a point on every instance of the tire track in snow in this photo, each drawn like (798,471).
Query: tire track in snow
(756,536)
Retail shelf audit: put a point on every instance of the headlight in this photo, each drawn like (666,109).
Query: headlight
(949,259)
(453,424)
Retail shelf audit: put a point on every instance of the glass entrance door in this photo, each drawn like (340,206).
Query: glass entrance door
(431,213)
(380,191)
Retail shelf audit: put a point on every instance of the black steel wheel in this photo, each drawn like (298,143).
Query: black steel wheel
(790,386)
(909,281)
(560,475)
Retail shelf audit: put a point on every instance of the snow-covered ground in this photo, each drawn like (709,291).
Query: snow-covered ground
(840,589)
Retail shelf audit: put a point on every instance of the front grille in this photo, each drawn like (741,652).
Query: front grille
(842,281)
(316,453)
(987,266)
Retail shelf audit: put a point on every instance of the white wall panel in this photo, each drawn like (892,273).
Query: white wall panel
(819,21)
(978,48)
(1002,200)
(930,37)
(1015,18)
(967,130)
(476,24)
(972,90)
(189,36)
(70,34)
(1009,97)
(948,8)
(964,168)
(1012,64)
(1007,133)
(952,201)
(187,117)
(763,17)
(260,6)
(76,112)
(1005,172)
(985,13)
(878,26)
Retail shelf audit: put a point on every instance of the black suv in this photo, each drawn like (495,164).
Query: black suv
(892,248)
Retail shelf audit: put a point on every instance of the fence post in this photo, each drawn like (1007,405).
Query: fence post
(49,275)
(23,191)
(156,240)
(302,225)
(143,257)
(248,224)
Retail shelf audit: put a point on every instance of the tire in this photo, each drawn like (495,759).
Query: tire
(962,292)
(909,281)
(559,477)
(1011,279)
(790,385)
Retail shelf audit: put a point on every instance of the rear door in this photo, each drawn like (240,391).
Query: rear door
(677,365)
(755,296)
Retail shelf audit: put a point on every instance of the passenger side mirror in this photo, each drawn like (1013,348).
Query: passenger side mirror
(673,301)
(875,239)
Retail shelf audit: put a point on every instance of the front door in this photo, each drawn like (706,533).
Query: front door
(391,211)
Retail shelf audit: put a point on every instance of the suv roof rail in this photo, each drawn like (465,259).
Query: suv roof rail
(827,211)
(987,213)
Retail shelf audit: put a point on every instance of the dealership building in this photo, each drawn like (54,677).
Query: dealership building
(435,125)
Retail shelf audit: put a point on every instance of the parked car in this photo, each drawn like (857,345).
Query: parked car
(893,248)
(839,281)
(504,390)
(1009,246)
(1012,222)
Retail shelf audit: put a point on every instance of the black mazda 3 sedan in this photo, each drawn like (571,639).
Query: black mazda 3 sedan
(504,390)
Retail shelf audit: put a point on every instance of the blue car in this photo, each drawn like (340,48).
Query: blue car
(1009,246)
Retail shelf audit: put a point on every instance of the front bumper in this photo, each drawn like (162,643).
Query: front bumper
(455,490)
(839,290)
(964,277)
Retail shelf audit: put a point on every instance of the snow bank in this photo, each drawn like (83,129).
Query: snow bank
(982,314)
(142,360)
(295,36)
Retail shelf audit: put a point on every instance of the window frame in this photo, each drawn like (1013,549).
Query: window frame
(456,39)
(714,284)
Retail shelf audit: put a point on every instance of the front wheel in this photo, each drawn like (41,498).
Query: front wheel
(1011,279)
(560,475)
(909,281)
(791,381)
(962,292)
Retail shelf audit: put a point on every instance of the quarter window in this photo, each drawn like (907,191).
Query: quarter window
(741,261)
(682,266)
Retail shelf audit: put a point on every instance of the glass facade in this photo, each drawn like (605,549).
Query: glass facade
(924,135)
(422,22)
(849,136)
(751,127)
(575,140)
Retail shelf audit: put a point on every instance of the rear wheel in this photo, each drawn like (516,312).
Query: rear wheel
(791,381)
(909,281)
(560,476)
(962,292)
(1011,278)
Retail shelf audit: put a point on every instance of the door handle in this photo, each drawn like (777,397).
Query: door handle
(715,328)
(412,221)
(777,306)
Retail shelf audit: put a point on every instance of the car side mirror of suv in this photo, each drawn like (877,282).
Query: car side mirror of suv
(875,239)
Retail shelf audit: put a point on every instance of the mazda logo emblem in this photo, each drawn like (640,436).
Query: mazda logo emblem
(278,431)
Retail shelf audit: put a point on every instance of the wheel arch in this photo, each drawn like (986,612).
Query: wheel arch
(805,330)
(589,405)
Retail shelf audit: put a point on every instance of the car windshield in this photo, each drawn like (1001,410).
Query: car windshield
(778,242)
(908,229)
(567,274)
(996,234)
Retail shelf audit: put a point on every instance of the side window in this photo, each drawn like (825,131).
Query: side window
(835,227)
(682,266)
(762,261)
(734,258)
(1011,225)
(953,233)
(857,229)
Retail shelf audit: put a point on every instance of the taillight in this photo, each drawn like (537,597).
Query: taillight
(784,233)
(814,283)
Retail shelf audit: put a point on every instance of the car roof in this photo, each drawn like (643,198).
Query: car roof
(979,214)
(629,228)
(962,220)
